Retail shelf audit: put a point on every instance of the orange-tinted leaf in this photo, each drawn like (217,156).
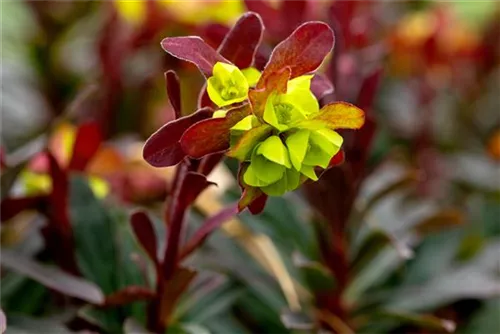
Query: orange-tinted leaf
(341,115)
(242,41)
(303,51)
(212,135)
(247,142)
(193,49)
(162,149)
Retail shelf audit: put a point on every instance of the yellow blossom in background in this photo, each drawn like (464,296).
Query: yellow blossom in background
(191,12)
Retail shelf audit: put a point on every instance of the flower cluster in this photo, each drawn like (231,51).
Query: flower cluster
(294,146)
(271,121)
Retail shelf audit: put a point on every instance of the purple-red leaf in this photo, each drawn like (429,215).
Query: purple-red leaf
(174,92)
(193,49)
(212,135)
(145,233)
(129,295)
(87,142)
(303,51)
(321,86)
(162,149)
(210,225)
(241,42)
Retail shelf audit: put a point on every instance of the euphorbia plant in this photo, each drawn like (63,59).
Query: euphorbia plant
(270,121)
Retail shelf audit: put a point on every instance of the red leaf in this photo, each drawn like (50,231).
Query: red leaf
(258,204)
(145,233)
(303,51)
(174,92)
(87,142)
(129,295)
(193,49)
(210,225)
(212,135)
(321,86)
(162,149)
(242,41)
(337,159)
(10,207)
(208,163)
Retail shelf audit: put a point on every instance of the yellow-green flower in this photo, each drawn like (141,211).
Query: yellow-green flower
(270,168)
(283,111)
(229,84)
(309,149)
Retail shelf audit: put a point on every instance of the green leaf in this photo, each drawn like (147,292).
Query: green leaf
(297,144)
(289,181)
(266,171)
(94,234)
(274,150)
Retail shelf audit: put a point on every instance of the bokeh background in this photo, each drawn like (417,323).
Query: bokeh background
(418,198)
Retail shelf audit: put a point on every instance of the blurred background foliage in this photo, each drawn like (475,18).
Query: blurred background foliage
(420,248)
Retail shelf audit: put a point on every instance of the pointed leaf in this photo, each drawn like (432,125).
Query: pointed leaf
(53,278)
(303,51)
(193,49)
(163,149)
(145,234)
(212,135)
(242,41)
(87,142)
(174,92)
